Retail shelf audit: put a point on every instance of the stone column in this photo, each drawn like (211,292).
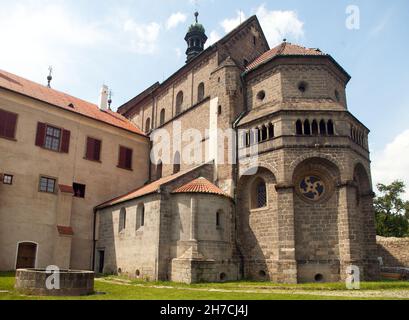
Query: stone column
(349,229)
(286,264)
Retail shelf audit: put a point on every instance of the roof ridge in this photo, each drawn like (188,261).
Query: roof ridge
(155,184)
(64,101)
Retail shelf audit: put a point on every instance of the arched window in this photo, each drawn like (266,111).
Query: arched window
(244,139)
(140,216)
(307,128)
(323,128)
(176,163)
(258,135)
(315,128)
(259,194)
(200,92)
(248,139)
(219,219)
(148,125)
(159,169)
(264,133)
(162,117)
(298,127)
(253,136)
(122,220)
(179,102)
(330,130)
(271,133)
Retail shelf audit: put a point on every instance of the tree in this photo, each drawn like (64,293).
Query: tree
(392,212)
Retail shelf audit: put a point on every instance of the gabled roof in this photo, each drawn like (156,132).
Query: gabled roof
(201,185)
(134,101)
(64,101)
(284,49)
(151,188)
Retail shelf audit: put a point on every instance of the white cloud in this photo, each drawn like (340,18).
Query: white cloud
(230,24)
(392,163)
(213,38)
(278,25)
(175,19)
(38,34)
(143,36)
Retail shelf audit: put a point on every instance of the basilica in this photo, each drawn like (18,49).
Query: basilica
(288,200)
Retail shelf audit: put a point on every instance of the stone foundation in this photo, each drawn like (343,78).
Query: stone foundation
(72,283)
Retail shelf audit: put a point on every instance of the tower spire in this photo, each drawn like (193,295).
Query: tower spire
(195,39)
(50,76)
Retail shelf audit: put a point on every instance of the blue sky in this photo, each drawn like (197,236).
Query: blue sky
(129,45)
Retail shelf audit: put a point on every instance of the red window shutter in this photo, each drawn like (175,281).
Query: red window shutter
(40,134)
(65,144)
(3,121)
(97,150)
(90,149)
(128,163)
(8,123)
(11,122)
(122,157)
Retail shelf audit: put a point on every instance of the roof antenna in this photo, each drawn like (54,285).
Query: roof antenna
(50,76)
(110,94)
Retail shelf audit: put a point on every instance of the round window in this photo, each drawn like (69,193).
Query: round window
(261,95)
(302,86)
(312,188)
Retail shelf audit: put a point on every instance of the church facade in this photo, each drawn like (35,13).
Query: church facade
(281,190)
(302,212)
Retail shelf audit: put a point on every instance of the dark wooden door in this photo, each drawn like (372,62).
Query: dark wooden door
(101,261)
(26,255)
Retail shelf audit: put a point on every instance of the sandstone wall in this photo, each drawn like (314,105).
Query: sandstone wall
(393,251)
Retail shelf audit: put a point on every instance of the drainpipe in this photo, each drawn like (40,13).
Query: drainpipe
(94,245)
(236,168)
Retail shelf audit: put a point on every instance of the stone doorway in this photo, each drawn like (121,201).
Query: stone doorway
(26,255)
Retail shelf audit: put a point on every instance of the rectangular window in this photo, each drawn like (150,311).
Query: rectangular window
(79,190)
(53,138)
(93,151)
(125,158)
(8,179)
(8,122)
(47,185)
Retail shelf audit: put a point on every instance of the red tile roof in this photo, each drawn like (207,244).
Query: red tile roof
(201,185)
(65,231)
(145,190)
(66,189)
(284,49)
(59,99)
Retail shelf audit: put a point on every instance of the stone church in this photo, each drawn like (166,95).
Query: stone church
(289,201)
(303,214)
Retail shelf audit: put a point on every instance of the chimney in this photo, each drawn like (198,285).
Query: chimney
(103,98)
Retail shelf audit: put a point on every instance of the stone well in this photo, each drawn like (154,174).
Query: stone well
(72,283)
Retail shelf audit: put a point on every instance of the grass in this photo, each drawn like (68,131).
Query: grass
(119,288)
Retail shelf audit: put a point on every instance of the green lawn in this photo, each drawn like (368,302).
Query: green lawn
(117,288)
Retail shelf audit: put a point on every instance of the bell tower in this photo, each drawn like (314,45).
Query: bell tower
(195,39)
